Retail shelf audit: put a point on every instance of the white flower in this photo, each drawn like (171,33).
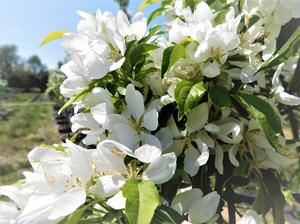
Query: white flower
(279,93)
(219,40)
(113,173)
(198,208)
(134,30)
(250,217)
(77,78)
(55,189)
(135,123)
(176,142)
(99,44)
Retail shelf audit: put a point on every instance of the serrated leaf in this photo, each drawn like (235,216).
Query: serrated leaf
(75,98)
(220,96)
(142,198)
(147,3)
(264,114)
(188,95)
(53,36)
(289,49)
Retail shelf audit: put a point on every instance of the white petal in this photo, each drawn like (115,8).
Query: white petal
(14,194)
(275,79)
(191,155)
(150,140)
(211,70)
(41,154)
(219,159)
(232,154)
(287,99)
(101,111)
(187,199)
(162,169)
(106,161)
(107,186)
(81,161)
(250,217)
(97,67)
(197,118)
(115,145)
(147,153)
(150,120)
(8,213)
(135,102)
(204,209)
(117,201)
(126,135)
(68,203)
(202,147)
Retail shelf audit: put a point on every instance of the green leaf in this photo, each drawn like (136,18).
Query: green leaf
(188,96)
(142,198)
(135,53)
(264,114)
(153,31)
(147,3)
(269,196)
(165,214)
(75,98)
(155,14)
(75,216)
(220,96)
(177,53)
(289,49)
(53,36)
(195,95)
(166,60)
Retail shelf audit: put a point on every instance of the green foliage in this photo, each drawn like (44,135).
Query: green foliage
(142,198)
(166,60)
(55,79)
(264,114)
(165,214)
(188,95)
(289,49)
(269,196)
(220,96)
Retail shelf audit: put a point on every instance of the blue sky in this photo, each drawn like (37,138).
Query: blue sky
(26,22)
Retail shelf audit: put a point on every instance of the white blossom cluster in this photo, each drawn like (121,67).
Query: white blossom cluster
(148,103)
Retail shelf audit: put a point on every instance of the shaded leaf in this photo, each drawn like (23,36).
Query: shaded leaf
(166,60)
(220,96)
(264,114)
(165,214)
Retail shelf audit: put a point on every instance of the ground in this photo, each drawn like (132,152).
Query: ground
(26,122)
